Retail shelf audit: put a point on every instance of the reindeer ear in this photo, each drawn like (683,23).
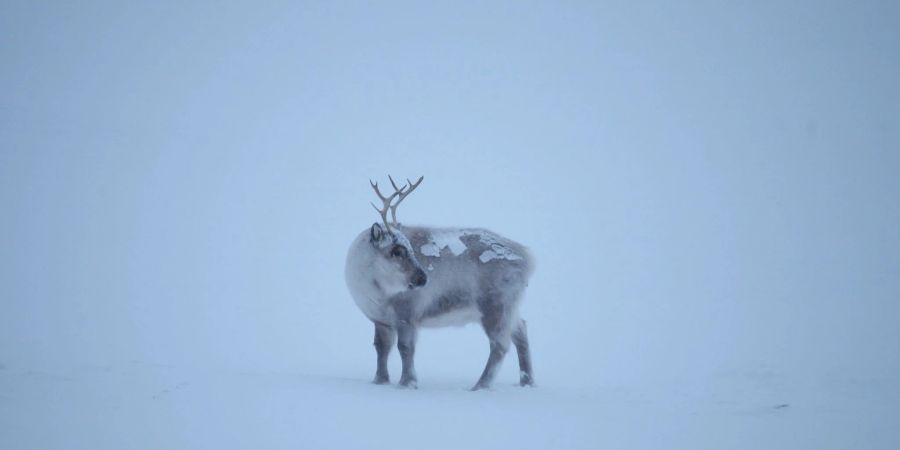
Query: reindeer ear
(377,232)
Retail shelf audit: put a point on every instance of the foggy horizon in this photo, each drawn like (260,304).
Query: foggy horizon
(710,193)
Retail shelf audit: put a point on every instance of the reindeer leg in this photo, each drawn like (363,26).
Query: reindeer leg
(495,321)
(520,339)
(385,336)
(406,344)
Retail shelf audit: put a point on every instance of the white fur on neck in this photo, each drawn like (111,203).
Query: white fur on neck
(371,279)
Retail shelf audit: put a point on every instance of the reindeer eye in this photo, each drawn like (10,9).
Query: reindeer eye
(398,251)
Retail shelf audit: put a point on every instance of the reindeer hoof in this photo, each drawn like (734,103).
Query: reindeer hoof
(525,380)
(408,384)
(479,387)
(381,380)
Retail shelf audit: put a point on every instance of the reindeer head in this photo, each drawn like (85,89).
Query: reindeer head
(394,262)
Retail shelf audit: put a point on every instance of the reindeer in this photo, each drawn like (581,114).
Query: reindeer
(407,277)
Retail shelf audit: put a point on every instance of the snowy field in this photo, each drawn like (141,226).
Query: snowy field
(711,194)
(153,406)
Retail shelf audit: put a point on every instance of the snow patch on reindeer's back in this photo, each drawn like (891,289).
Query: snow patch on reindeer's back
(498,252)
(476,244)
(438,240)
(497,249)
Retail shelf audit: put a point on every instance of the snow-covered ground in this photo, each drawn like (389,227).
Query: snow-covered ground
(146,406)
(710,193)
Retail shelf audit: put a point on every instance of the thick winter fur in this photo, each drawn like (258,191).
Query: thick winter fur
(411,277)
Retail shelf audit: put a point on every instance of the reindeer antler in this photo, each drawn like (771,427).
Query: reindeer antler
(387,204)
(399,192)
(406,190)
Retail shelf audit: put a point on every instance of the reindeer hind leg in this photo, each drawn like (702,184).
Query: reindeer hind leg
(520,339)
(495,320)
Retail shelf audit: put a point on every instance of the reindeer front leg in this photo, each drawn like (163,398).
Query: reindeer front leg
(385,336)
(406,344)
